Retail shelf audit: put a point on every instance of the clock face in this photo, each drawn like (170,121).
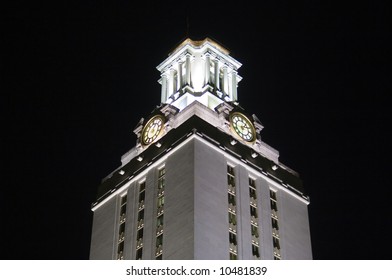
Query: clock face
(243,127)
(152,130)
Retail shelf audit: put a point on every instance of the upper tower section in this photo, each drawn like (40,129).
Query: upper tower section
(200,71)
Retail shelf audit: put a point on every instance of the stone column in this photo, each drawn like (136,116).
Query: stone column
(207,70)
(216,69)
(188,69)
(234,85)
(179,76)
(164,88)
(173,82)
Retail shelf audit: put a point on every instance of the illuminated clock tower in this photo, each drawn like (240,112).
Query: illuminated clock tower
(200,183)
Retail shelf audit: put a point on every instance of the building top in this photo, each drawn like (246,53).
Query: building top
(199,97)
(199,71)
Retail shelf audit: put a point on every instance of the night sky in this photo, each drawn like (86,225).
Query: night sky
(77,78)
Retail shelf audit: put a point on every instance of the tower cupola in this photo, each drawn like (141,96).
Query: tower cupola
(200,71)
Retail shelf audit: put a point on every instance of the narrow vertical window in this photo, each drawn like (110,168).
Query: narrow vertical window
(140,221)
(231,196)
(121,227)
(275,225)
(160,214)
(254,226)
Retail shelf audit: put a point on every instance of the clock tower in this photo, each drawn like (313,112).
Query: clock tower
(200,183)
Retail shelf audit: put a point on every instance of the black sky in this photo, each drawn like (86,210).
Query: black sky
(77,77)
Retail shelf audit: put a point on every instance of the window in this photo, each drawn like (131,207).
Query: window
(230,180)
(275,225)
(121,232)
(254,231)
(160,220)
(121,227)
(230,170)
(140,234)
(161,172)
(252,188)
(233,256)
(159,240)
(233,238)
(252,193)
(276,242)
(123,208)
(231,198)
(139,253)
(254,226)
(255,251)
(232,218)
(124,200)
(274,205)
(142,196)
(139,241)
(159,247)
(161,201)
(253,211)
(160,214)
(273,195)
(120,251)
(140,215)
(140,221)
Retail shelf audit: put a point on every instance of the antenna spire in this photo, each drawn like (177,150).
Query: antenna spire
(187,26)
